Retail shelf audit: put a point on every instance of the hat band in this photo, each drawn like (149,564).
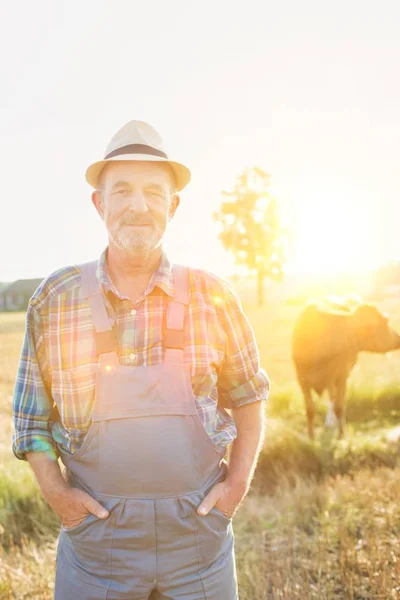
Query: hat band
(136,149)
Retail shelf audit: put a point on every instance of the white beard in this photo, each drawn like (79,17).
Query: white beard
(136,243)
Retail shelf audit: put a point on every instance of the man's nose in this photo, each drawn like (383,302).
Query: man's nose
(138,203)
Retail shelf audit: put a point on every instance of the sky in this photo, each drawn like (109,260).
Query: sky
(309,91)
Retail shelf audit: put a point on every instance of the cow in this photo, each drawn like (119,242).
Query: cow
(327,337)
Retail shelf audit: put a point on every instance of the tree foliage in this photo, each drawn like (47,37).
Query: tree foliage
(251,227)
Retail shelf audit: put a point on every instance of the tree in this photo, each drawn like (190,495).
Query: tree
(252,229)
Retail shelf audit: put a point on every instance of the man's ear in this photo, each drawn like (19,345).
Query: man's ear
(98,204)
(175,202)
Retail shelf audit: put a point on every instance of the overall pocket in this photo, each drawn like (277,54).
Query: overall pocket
(213,533)
(80,525)
(89,542)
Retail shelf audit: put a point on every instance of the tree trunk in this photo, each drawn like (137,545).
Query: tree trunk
(260,287)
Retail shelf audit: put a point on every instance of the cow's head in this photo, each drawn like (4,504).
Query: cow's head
(372,330)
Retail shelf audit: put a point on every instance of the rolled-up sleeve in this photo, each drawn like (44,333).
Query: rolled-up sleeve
(241,379)
(32,404)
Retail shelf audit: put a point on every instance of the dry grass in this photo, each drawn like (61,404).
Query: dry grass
(27,571)
(338,539)
(322,519)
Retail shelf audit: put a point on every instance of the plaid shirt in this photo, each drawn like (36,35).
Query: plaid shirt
(58,359)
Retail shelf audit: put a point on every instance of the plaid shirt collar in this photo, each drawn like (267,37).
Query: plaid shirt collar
(163,277)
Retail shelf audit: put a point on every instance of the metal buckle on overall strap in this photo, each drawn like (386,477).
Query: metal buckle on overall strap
(106,341)
(173,339)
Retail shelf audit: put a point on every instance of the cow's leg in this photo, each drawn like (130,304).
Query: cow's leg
(339,404)
(310,408)
(331,419)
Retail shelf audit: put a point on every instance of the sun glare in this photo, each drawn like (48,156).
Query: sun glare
(332,233)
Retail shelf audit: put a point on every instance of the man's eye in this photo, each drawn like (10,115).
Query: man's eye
(155,194)
(119,192)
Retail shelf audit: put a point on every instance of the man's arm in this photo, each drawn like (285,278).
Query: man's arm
(32,402)
(32,440)
(70,504)
(250,423)
(242,387)
(228,494)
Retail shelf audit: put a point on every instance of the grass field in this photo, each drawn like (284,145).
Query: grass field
(322,519)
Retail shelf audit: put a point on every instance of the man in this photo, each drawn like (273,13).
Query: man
(127,368)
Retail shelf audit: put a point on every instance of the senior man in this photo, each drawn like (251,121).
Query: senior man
(127,368)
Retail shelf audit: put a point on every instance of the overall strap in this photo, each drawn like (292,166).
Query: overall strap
(174,329)
(105,334)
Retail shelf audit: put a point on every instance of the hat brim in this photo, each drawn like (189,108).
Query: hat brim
(182,173)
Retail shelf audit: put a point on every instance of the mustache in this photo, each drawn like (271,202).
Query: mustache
(134,221)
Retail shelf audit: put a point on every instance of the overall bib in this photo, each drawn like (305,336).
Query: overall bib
(149,461)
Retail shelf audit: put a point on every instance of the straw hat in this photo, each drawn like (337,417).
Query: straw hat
(137,140)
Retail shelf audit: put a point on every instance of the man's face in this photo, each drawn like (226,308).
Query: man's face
(136,202)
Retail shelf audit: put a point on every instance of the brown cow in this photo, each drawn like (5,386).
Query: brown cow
(326,340)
